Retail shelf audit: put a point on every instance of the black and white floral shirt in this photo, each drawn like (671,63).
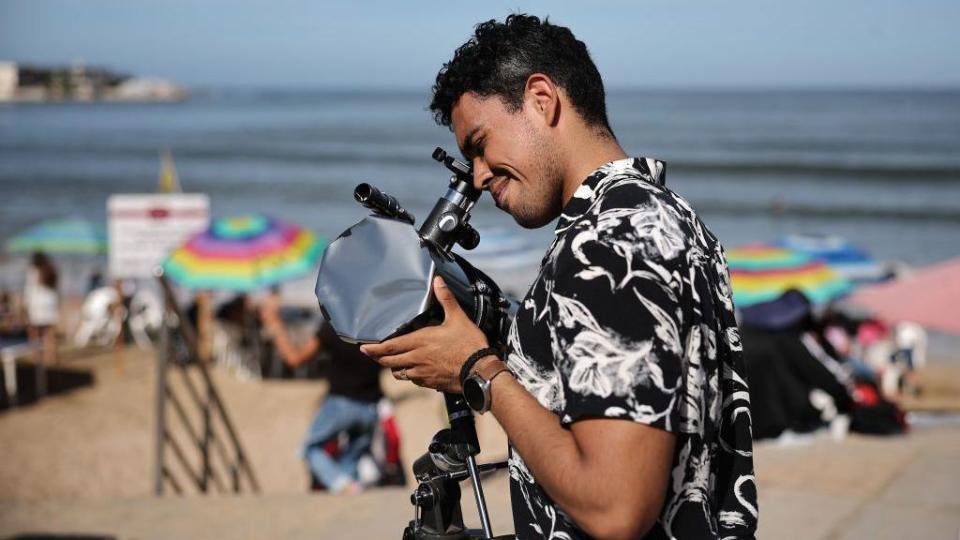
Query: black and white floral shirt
(632,317)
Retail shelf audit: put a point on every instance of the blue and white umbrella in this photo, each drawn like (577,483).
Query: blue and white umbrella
(69,236)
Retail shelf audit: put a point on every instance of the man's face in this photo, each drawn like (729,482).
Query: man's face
(512,157)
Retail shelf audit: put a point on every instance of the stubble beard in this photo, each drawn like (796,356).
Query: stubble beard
(541,200)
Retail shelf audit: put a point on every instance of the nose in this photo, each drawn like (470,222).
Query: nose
(481,174)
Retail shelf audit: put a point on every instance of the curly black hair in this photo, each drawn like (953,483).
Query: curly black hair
(501,56)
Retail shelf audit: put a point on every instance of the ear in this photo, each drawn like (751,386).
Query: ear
(544,96)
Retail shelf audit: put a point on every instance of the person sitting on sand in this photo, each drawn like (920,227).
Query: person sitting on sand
(350,406)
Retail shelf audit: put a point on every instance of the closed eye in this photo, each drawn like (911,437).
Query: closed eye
(478,147)
(469,149)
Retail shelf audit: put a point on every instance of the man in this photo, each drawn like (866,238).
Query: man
(350,405)
(627,411)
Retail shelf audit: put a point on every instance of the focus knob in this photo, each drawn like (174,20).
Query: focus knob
(468,238)
(423,497)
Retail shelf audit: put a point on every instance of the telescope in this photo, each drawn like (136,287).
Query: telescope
(375,283)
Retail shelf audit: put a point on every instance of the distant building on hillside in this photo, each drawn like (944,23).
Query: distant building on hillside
(78,82)
(9,79)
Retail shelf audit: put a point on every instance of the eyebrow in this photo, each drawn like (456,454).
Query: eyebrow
(468,144)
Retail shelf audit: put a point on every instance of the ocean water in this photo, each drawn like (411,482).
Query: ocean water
(880,168)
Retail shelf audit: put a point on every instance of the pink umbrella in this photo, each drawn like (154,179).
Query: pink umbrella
(929,297)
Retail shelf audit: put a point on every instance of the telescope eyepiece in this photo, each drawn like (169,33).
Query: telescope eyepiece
(463,171)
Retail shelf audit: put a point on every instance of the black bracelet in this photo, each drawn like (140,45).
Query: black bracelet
(473,359)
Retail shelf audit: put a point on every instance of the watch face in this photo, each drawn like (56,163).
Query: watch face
(473,393)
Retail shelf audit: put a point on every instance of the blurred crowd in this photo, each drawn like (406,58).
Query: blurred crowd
(811,368)
(351,443)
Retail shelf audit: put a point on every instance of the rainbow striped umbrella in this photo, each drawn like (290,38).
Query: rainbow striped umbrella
(843,257)
(243,253)
(760,273)
(73,236)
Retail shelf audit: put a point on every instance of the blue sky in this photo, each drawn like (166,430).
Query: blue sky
(390,44)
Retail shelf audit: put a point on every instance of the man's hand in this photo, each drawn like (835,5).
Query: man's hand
(432,356)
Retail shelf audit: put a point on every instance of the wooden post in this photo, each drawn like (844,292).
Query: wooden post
(163,361)
(204,326)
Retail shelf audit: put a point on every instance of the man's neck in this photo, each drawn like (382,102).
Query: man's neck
(590,153)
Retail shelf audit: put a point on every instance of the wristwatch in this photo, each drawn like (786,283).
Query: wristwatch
(476,389)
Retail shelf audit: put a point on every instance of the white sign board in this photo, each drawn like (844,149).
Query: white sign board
(144,229)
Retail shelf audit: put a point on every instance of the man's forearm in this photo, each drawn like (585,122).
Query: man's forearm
(552,454)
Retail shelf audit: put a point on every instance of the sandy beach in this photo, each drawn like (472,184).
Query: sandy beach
(81,463)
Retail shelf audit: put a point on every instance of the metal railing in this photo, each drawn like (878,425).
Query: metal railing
(210,436)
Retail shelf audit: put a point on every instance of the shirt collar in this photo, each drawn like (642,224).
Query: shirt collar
(597,183)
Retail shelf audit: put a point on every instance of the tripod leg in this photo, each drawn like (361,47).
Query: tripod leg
(478,495)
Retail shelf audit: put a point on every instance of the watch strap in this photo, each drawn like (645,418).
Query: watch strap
(473,359)
(501,370)
(488,370)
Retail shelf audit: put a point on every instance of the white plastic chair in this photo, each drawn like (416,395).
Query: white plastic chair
(97,323)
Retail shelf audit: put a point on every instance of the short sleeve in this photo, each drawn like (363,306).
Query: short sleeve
(617,320)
